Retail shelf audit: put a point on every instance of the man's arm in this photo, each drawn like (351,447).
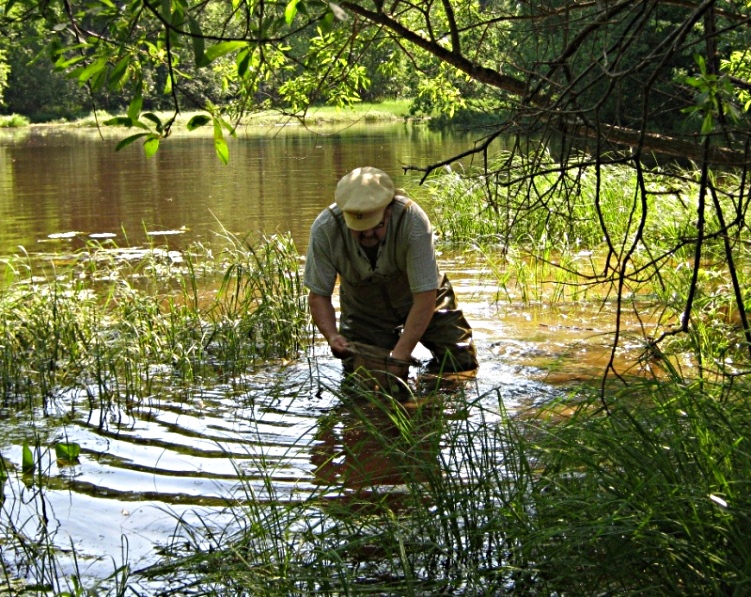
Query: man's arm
(417,322)
(324,316)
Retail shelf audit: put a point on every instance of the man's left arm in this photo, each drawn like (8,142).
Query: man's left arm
(417,322)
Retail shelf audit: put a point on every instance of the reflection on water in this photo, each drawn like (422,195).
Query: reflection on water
(54,182)
(368,445)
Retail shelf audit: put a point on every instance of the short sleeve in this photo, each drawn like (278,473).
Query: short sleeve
(320,273)
(421,264)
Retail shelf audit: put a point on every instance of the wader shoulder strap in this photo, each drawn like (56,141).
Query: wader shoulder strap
(405,207)
(339,217)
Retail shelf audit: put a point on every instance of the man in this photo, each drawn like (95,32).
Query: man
(392,295)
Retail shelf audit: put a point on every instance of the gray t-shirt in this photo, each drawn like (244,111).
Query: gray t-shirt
(333,251)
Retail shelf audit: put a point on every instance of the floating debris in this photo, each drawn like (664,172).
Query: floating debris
(63,235)
(181,230)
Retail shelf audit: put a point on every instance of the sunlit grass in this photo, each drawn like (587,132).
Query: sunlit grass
(579,236)
(13,121)
(386,111)
(117,323)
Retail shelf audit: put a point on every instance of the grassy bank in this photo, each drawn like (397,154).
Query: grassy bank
(13,121)
(387,111)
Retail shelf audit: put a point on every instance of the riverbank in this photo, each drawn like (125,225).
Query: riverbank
(388,111)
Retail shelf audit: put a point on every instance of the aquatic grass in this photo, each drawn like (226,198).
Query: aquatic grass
(610,232)
(544,278)
(124,325)
(657,490)
(261,302)
(408,502)
(651,496)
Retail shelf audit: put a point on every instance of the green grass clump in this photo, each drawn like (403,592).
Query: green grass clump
(13,121)
(652,497)
(121,323)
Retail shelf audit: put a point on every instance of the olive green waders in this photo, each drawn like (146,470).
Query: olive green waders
(448,336)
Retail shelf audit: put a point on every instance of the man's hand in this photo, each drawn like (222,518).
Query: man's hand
(398,367)
(340,348)
(322,311)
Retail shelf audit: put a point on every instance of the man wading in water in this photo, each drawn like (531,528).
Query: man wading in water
(392,295)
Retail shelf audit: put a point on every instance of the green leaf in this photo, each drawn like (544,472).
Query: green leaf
(92,69)
(243,62)
(197,39)
(221,49)
(220,145)
(119,73)
(63,64)
(327,22)
(198,121)
(222,150)
(119,121)
(27,459)
(134,109)
(155,119)
(290,11)
(128,140)
(68,451)
(151,146)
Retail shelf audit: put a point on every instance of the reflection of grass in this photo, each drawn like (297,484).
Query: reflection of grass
(652,496)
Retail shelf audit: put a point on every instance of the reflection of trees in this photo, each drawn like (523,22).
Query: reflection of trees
(370,446)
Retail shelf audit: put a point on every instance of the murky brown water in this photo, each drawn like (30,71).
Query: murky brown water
(143,468)
(55,182)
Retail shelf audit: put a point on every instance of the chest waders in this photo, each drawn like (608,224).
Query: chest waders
(374,309)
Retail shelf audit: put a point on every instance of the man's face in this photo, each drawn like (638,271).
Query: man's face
(375,235)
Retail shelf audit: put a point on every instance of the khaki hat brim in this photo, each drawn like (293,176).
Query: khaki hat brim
(359,221)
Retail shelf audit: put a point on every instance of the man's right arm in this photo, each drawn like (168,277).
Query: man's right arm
(324,316)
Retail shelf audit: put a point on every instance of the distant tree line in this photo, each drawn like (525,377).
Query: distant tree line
(639,67)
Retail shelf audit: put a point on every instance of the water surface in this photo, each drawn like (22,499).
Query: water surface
(145,466)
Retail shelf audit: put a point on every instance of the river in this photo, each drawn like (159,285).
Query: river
(180,458)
